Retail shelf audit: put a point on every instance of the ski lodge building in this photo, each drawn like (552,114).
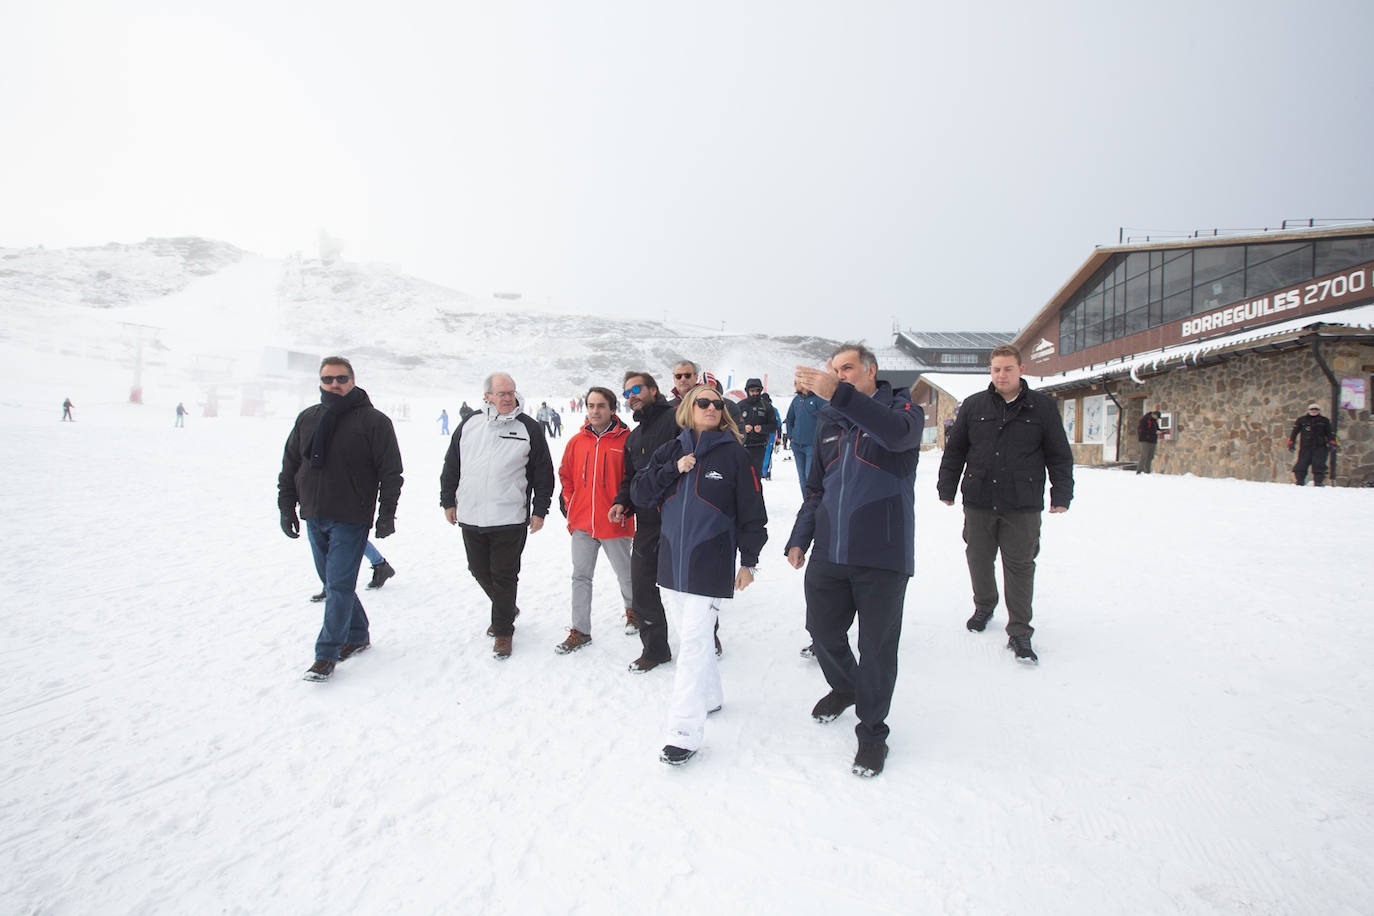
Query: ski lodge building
(941,368)
(1229,337)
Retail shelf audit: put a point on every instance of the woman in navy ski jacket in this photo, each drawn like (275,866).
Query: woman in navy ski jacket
(711,507)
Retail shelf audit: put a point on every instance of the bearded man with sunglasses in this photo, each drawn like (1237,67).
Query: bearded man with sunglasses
(341,463)
(657,424)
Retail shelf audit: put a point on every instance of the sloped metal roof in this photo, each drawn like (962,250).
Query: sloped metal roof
(957,340)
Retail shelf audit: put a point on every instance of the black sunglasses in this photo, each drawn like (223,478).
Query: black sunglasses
(331,379)
(684,375)
(704,403)
(635,390)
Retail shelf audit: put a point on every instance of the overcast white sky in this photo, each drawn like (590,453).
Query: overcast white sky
(819,167)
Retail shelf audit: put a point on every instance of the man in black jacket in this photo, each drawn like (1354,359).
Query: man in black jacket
(341,462)
(1312,437)
(1147,431)
(656,425)
(1003,442)
(758,421)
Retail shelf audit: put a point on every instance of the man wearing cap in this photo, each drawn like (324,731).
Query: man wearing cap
(760,421)
(1147,431)
(1312,438)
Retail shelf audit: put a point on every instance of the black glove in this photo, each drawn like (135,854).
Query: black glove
(1290,446)
(290,525)
(386,526)
(562,505)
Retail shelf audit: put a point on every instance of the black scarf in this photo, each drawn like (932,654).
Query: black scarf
(335,404)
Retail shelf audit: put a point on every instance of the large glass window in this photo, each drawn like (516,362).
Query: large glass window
(1214,263)
(1134,291)
(1338,254)
(1219,292)
(1137,264)
(1179,305)
(1138,291)
(1093,309)
(1272,267)
(1094,336)
(1137,321)
(1178,272)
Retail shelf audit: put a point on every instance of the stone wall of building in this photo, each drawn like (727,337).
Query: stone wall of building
(1232,419)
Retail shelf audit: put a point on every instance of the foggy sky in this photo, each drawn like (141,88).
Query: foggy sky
(809,167)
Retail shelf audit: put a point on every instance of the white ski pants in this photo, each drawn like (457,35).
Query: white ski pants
(696,684)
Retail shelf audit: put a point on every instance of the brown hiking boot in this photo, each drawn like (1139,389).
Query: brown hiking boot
(631,622)
(645,663)
(502,647)
(491,631)
(576,640)
(322,670)
(350,649)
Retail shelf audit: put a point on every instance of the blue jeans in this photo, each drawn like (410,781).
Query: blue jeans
(338,550)
(374,556)
(801,457)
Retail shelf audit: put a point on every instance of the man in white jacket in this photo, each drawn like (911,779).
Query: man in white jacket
(497,460)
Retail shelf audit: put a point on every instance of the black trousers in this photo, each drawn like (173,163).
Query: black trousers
(835,593)
(494,561)
(756,454)
(1016,535)
(1315,458)
(653,621)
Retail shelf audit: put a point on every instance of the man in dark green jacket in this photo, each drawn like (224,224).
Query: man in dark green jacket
(1003,442)
(341,462)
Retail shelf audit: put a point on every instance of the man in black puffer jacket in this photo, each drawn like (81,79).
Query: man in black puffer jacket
(1003,442)
(758,420)
(656,425)
(341,462)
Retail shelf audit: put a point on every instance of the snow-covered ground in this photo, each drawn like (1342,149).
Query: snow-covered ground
(1198,737)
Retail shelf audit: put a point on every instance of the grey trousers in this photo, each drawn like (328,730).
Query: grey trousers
(1017,536)
(1147,456)
(584,550)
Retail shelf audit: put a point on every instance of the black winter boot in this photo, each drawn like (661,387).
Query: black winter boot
(380,573)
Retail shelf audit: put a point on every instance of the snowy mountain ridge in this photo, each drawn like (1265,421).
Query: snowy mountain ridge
(200,302)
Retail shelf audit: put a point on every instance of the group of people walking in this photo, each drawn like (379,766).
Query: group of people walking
(676,505)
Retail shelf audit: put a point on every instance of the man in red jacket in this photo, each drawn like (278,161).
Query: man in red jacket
(591,473)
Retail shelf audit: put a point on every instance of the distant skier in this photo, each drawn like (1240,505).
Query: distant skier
(557,421)
(67,406)
(443,422)
(545,417)
(1312,438)
(181,414)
